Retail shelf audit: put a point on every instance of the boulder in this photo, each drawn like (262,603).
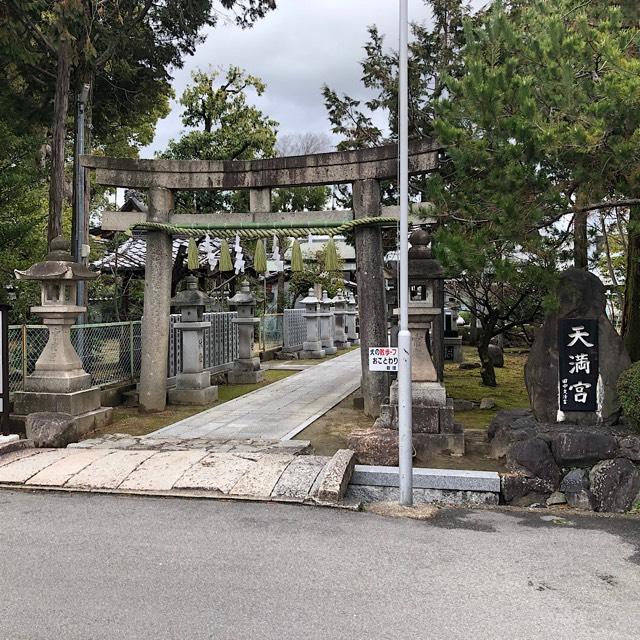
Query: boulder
(556,498)
(581,295)
(506,419)
(582,447)
(521,429)
(49,429)
(462,405)
(375,446)
(574,481)
(487,403)
(575,486)
(580,500)
(496,355)
(516,485)
(534,457)
(629,447)
(615,485)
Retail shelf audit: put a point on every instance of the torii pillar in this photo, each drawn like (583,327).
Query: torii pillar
(157,296)
(371,293)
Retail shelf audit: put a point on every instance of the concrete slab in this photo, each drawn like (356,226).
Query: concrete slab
(163,470)
(57,474)
(260,480)
(20,470)
(109,471)
(16,454)
(216,472)
(446,479)
(298,478)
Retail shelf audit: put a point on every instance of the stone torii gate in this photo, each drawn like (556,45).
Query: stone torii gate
(364,169)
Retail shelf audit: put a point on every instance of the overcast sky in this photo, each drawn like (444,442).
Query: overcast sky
(295,50)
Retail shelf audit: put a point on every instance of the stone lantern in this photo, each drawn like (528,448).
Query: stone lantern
(433,424)
(352,323)
(452,338)
(326,324)
(312,346)
(340,313)
(246,368)
(59,382)
(193,383)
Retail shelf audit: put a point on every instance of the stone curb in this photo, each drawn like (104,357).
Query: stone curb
(15,445)
(446,479)
(335,477)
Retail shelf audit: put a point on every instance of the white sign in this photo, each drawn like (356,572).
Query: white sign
(383,358)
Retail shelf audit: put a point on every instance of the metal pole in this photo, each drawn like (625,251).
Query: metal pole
(404,336)
(79,222)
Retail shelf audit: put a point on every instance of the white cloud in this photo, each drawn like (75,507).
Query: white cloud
(295,50)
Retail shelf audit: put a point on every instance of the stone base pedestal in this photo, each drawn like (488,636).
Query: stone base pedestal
(76,403)
(57,381)
(453,349)
(83,406)
(208,395)
(355,342)
(434,428)
(245,377)
(342,345)
(312,351)
(246,371)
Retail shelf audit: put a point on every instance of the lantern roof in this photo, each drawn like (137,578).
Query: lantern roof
(311,297)
(58,264)
(244,296)
(191,296)
(422,264)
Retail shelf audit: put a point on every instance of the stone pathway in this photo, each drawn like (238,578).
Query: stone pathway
(279,410)
(259,472)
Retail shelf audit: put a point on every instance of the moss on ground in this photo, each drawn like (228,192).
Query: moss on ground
(465,384)
(130,420)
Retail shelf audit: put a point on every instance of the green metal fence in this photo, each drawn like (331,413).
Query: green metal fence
(110,352)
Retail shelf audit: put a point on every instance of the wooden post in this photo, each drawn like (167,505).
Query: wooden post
(371,293)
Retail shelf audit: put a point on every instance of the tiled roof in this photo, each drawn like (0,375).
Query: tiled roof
(132,254)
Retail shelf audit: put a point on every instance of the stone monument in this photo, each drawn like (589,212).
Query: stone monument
(246,368)
(577,357)
(433,420)
(193,383)
(59,384)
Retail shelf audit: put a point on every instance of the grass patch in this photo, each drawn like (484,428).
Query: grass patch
(341,352)
(465,384)
(130,420)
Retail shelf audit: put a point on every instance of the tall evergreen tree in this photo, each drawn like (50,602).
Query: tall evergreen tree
(55,46)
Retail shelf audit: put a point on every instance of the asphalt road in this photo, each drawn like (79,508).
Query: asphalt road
(95,566)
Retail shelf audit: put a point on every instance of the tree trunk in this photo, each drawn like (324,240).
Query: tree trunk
(612,272)
(580,241)
(58,134)
(487,372)
(631,317)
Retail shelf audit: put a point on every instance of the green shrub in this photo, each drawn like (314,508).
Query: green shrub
(629,392)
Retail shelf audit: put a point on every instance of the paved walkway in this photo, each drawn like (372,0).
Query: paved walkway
(278,410)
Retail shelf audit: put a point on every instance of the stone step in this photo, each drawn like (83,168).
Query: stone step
(268,474)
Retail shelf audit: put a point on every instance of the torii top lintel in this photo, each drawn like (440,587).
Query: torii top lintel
(339,167)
